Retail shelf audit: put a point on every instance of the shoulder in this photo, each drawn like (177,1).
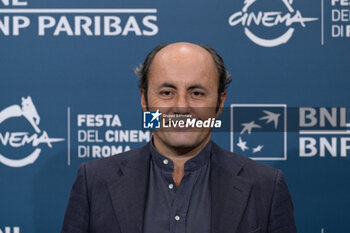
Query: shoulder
(108,167)
(265,180)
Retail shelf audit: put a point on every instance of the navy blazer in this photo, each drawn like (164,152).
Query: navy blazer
(109,195)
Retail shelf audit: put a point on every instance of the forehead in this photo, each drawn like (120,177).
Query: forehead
(183,63)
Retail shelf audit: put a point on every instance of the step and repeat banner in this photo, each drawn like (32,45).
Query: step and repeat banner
(68,94)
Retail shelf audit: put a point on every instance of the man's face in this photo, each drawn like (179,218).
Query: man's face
(183,79)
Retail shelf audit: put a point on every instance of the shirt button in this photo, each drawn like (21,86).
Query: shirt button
(165,161)
(171,186)
(177,217)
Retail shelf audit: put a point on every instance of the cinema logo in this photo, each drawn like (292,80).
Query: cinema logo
(27,111)
(269,19)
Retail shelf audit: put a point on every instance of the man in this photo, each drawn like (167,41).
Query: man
(181,181)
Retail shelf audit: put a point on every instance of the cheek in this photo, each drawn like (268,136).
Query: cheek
(204,113)
(209,101)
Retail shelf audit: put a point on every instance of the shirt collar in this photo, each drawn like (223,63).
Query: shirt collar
(192,164)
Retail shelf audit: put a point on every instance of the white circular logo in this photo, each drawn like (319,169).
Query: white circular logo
(19,139)
(268,19)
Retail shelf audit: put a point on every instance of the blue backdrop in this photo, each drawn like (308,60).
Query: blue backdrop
(68,94)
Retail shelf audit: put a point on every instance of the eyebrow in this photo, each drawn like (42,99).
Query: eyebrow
(195,86)
(167,85)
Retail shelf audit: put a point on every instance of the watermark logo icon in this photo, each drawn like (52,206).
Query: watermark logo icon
(151,120)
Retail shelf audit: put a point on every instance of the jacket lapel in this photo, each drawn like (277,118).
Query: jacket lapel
(229,191)
(128,190)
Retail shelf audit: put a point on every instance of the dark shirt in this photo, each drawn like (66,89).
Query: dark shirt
(183,209)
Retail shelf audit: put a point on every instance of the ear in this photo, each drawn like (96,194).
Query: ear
(222,102)
(143,100)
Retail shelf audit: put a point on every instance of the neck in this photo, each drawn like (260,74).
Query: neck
(179,156)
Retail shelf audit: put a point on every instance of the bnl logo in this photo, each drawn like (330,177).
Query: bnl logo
(151,120)
(259,131)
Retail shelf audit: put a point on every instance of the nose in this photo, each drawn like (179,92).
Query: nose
(182,105)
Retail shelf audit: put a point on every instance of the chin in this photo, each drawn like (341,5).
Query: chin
(184,139)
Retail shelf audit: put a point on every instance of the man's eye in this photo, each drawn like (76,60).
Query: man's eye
(165,93)
(197,93)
